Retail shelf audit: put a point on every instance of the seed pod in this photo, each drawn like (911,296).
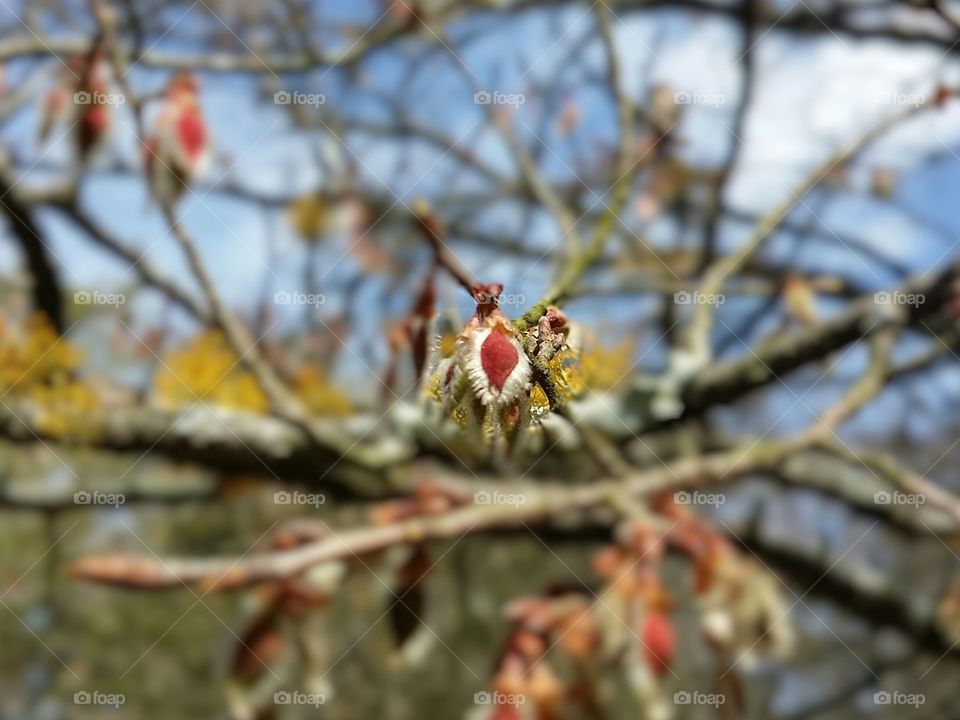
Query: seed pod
(659,640)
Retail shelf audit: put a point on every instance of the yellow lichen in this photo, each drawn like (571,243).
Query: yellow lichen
(566,376)
(39,366)
(207,370)
(310,216)
(605,368)
(319,394)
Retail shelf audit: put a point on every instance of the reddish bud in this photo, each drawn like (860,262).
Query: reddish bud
(659,641)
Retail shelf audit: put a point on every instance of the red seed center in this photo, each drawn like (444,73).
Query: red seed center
(498,358)
(193,134)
